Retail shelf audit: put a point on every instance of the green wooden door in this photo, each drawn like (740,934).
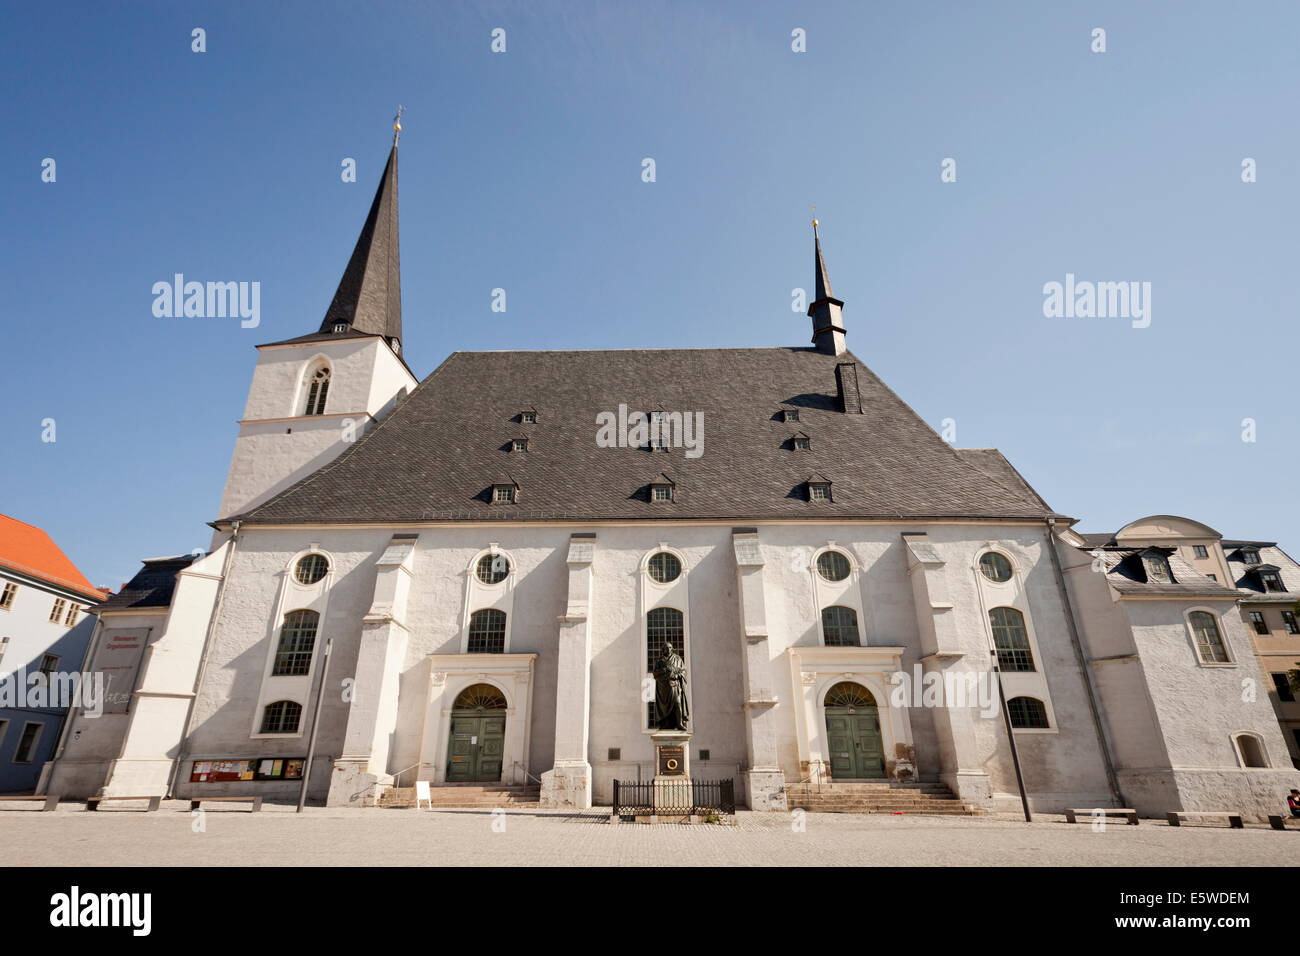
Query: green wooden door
(856,750)
(477,745)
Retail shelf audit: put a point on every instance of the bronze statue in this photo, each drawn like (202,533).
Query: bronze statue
(671,707)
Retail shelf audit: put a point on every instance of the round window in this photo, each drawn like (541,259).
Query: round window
(310,568)
(665,567)
(492,568)
(996,567)
(833,566)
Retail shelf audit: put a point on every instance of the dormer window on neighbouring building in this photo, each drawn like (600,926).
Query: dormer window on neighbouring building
(658,444)
(1271,580)
(789,414)
(503,494)
(819,491)
(802,442)
(661,488)
(340,327)
(528,416)
(1157,569)
(519,444)
(1250,555)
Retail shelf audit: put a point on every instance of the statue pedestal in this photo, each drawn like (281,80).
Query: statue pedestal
(671,788)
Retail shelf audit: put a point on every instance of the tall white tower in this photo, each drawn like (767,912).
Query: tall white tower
(312,396)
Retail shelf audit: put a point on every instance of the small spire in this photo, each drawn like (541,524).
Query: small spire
(828,330)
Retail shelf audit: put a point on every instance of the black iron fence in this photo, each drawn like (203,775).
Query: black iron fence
(633,798)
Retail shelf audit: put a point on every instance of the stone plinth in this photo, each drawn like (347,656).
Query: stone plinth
(671,788)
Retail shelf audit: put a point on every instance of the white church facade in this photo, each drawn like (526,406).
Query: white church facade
(470,586)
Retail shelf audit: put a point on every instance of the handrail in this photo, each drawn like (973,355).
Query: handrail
(527,775)
(377,783)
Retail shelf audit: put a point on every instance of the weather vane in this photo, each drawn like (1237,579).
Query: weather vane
(814,212)
(397,124)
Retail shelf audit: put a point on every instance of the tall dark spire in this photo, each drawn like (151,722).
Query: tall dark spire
(369,296)
(828,323)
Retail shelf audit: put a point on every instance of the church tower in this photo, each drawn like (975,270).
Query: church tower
(314,395)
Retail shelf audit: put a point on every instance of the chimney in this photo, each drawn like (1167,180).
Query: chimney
(846,384)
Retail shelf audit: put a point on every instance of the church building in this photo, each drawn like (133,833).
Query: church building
(469,578)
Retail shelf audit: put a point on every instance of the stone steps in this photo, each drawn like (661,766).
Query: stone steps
(460,795)
(877,797)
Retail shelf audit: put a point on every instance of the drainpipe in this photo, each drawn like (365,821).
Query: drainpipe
(1011,738)
(183,751)
(1089,684)
(315,724)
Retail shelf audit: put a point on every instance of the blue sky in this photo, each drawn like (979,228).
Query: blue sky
(522,171)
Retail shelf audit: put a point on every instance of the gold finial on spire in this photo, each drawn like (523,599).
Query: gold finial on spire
(814,211)
(397,124)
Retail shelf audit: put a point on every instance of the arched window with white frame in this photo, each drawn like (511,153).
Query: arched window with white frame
(318,388)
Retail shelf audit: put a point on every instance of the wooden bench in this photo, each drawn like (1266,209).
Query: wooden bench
(256,801)
(50,802)
(1279,822)
(1179,817)
(1130,817)
(94,802)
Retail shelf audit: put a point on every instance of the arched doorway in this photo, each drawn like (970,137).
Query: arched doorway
(857,751)
(478,734)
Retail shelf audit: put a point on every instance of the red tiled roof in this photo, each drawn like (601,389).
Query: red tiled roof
(29,550)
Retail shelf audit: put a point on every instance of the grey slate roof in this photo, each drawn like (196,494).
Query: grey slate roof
(1126,574)
(1247,581)
(152,586)
(436,455)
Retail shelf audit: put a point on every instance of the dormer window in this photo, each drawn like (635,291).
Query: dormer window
(819,491)
(789,414)
(1271,580)
(661,488)
(317,392)
(519,444)
(528,416)
(1250,555)
(659,444)
(340,327)
(1157,569)
(504,494)
(802,442)
(397,346)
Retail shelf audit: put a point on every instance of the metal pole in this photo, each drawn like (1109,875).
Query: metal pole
(315,724)
(1011,739)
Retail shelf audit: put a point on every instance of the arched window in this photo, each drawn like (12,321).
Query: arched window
(317,392)
(1209,643)
(1252,751)
(664,626)
(840,627)
(282,717)
(297,639)
(1028,713)
(480,697)
(487,632)
(848,694)
(1011,639)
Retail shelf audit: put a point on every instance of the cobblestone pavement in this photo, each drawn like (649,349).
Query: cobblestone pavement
(522,837)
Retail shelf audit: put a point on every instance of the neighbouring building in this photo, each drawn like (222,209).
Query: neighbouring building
(473,574)
(46,618)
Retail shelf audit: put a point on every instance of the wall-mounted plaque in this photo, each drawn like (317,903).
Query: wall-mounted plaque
(672,761)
